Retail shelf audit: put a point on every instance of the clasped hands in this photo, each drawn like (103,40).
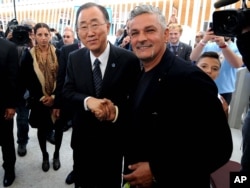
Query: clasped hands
(47,100)
(103,109)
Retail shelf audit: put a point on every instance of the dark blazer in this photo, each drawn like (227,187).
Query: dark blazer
(8,99)
(184,51)
(63,59)
(98,142)
(40,115)
(179,125)
(66,112)
(60,43)
(8,74)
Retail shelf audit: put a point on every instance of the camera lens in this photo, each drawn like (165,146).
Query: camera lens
(20,35)
(226,23)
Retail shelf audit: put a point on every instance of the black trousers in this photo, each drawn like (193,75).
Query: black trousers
(7,142)
(97,166)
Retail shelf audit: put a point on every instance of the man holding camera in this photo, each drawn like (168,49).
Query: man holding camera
(230,60)
(21,35)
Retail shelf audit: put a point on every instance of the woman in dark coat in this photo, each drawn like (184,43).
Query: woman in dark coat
(38,74)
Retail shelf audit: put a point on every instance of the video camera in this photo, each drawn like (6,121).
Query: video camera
(20,33)
(230,22)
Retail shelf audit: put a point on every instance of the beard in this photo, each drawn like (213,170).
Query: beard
(145,57)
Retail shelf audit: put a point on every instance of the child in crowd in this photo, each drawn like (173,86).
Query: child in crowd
(210,63)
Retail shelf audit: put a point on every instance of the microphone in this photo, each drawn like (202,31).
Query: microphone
(221,3)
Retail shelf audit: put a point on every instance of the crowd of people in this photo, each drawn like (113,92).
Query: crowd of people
(134,89)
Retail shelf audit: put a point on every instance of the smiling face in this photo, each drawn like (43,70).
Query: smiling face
(93,29)
(147,38)
(174,36)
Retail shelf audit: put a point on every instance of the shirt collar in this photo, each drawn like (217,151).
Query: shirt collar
(174,44)
(103,58)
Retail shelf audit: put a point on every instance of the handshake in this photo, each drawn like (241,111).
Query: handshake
(103,109)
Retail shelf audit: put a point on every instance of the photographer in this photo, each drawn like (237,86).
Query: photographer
(230,60)
(30,23)
(23,36)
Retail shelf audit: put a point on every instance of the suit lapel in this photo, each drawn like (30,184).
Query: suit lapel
(111,68)
(85,70)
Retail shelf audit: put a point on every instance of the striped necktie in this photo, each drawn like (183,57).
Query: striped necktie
(97,76)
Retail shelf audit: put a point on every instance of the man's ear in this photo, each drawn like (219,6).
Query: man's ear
(108,27)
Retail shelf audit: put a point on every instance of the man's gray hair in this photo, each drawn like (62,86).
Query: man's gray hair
(142,9)
(28,22)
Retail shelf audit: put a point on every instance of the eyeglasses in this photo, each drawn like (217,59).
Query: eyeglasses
(66,36)
(93,27)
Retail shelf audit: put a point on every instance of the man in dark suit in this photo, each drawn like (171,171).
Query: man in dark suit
(63,59)
(67,114)
(172,97)
(67,38)
(8,103)
(60,43)
(179,48)
(98,117)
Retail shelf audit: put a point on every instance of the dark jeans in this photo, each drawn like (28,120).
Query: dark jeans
(22,123)
(245,159)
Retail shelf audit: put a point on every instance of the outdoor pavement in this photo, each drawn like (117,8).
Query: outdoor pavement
(29,173)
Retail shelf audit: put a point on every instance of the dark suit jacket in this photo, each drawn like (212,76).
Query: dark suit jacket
(184,51)
(8,74)
(60,43)
(63,59)
(99,142)
(179,125)
(121,71)
(8,99)
(66,112)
